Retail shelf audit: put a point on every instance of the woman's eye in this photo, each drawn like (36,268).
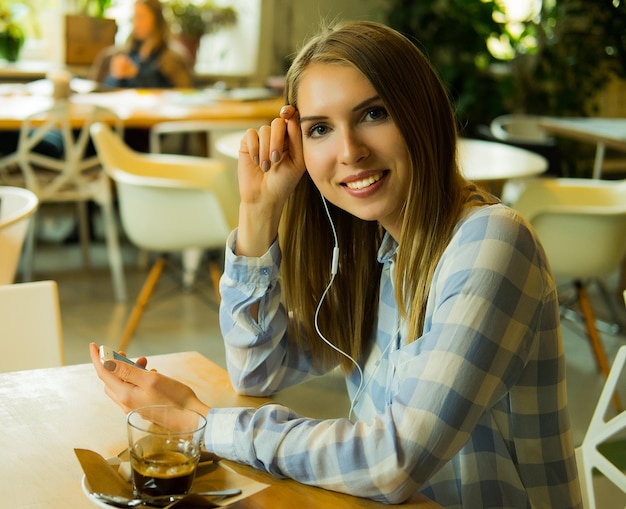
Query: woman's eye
(377,113)
(317,130)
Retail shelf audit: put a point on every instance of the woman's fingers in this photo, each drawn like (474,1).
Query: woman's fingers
(94,353)
(266,146)
(265,133)
(277,139)
(250,145)
(132,387)
(115,375)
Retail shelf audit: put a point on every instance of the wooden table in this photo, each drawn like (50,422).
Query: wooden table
(603,132)
(144,108)
(45,414)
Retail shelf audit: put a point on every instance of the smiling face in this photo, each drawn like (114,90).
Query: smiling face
(353,150)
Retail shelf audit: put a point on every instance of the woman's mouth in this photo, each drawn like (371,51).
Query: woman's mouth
(364,182)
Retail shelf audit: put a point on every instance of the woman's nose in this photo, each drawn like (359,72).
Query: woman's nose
(353,149)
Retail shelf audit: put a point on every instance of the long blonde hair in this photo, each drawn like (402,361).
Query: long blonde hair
(418,104)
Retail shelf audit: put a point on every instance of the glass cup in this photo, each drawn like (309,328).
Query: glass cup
(165,444)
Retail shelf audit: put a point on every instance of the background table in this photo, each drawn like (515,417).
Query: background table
(604,132)
(45,414)
(144,108)
(486,161)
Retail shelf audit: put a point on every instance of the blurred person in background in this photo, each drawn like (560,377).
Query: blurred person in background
(149,59)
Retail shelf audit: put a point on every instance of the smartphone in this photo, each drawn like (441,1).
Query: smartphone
(108,354)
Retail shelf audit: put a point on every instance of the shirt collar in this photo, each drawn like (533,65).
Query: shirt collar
(388,249)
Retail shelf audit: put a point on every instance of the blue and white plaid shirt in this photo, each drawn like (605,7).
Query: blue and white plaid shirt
(473,414)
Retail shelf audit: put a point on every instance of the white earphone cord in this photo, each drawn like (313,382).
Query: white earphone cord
(333,272)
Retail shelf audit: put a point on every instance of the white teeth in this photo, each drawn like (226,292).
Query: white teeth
(360,184)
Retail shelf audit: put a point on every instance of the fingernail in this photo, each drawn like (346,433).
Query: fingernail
(284,110)
(265,166)
(256,160)
(275,156)
(109,365)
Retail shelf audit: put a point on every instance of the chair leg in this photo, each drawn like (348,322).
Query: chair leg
(116,263)
(83,232)
(142,301)
(191,260)
(609,300)
(29,249)
(594,337)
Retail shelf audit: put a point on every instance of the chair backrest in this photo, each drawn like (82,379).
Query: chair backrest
(30,326)
(581,222)
(207,127)
(168,202)
(519,128)
(600,431)
(67,167)
(16,208)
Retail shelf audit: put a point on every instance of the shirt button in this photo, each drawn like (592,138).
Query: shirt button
(265,271)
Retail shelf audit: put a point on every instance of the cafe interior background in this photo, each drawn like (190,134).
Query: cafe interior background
(556,57)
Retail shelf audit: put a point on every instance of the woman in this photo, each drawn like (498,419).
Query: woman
(149,59)
(442,313)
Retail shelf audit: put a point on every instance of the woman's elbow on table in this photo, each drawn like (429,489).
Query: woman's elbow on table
(388,484)
(393,488)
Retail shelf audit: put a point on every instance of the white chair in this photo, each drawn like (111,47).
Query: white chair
(582,226)
(168,203)
(182,131)
(30,327)
(600,430)
(17,205)
(73,177)
(520,128)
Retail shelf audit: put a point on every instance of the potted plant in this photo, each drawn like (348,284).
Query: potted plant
(11,36)
(554,62)
(96,8)
(190,20)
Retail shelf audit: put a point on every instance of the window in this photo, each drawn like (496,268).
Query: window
(233,51)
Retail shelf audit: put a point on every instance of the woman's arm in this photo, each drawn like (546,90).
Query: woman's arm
(260,358)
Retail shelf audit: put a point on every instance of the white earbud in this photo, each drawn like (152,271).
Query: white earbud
(335,263)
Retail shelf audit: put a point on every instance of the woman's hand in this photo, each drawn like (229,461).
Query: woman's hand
(271,163)
(131,387)
(122,67)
